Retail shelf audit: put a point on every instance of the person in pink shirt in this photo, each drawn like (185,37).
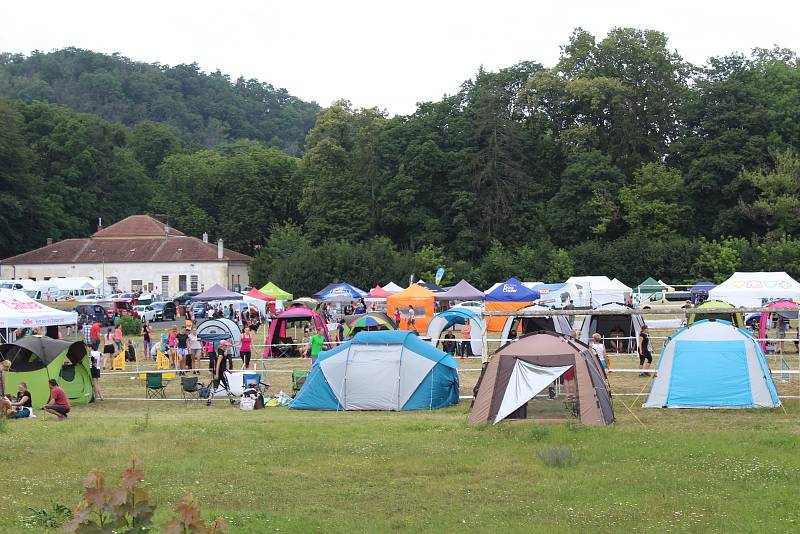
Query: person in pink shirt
(245,348)
(58,404)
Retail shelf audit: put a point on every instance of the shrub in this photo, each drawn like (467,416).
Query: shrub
(130,326)
(128,509)
(558,456)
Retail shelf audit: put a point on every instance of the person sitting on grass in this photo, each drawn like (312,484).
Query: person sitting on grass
(58,404)
(19,408)
(615,339)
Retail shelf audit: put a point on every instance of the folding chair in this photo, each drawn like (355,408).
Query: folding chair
(298,379)
(190,388)
(255,378)
(155,386)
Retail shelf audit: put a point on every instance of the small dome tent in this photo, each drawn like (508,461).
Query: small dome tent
(740,376)
(37,359)
(630,325)
(733,317)
(449,318)
(520,371)
(386,370)
(527,325)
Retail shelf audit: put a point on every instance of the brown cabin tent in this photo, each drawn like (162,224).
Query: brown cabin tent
(522,369)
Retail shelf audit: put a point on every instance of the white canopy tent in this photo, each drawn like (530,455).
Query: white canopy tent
(18,310)
(754,289)
(391,287)
(602,288)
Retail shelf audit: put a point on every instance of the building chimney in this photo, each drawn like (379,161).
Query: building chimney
(205,237)
(99,223)
(49,241)
(220,250)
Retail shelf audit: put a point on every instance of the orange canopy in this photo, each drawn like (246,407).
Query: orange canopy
(495,324)
(420,298)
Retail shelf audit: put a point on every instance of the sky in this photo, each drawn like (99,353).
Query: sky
(378,53)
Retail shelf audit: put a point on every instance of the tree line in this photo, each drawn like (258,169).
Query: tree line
(622,159)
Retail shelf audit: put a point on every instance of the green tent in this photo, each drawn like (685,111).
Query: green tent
(650,286)
(274,291)
(733,317)
(37,359)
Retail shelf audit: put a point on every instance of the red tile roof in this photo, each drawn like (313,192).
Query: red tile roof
(137,226)
(113,245)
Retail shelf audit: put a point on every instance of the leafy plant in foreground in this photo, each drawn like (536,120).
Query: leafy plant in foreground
(558,456)
(128,508)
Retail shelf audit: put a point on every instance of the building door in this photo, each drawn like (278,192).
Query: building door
(182,282)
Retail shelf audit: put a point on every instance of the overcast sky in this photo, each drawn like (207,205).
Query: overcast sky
(379,53)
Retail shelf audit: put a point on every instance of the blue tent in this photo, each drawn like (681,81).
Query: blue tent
(458,315)
(381,370)
(701,289)
(342,290)
(713,364)
(512,290)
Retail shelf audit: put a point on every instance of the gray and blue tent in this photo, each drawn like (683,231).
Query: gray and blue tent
(713,364)
(384,370)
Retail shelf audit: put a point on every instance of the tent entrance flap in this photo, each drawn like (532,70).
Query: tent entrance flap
(527,380)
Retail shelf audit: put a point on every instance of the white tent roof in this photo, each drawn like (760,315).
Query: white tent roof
(603,289)
(17,310)
(71,284)
(391,287)
(752,289)
(619,284)
(531,285)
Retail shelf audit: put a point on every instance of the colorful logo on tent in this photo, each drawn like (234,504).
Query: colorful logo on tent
(20,305)
(784,285)
(738,284)
(771,284)
(336,291)
(507,288)
(754,284)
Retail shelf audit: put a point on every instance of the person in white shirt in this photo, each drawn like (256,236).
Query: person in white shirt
(599,349)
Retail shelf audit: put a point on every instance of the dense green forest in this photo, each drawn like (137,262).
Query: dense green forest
(622,159)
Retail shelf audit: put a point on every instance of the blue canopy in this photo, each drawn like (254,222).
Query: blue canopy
(703,286)
(512,290)
(340,290)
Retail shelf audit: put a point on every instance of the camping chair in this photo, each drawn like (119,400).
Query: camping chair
(190,388)
(155,386)
(298,379)
(255,378)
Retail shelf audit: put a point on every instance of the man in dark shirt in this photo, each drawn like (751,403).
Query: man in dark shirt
(183,346)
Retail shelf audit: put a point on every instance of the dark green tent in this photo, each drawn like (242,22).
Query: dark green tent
(650,286)
(37,359)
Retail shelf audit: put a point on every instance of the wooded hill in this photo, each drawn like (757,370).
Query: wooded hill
(622,159)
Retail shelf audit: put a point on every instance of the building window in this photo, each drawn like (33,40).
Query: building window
(194,281)
(113,282)
(136,285)
(181,282)
(165,286)
(150,287)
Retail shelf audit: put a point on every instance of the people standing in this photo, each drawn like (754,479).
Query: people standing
(340,331)
(182,342)
(570,318)
(172,346)
(412,318)
(397,317)
(245,348)
(118,337)
(5,365)
(645,354)
(599,349)
(94,357)
(87,333)
(317,344)
(449,344)
(146,340)
(108,349)
(466,343)
(194,350)
(95,335)
(58,403)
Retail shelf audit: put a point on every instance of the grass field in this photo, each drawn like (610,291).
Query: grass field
(278,470)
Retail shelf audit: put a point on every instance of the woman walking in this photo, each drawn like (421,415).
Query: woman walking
(146,341)
(95,370)
(172,345)
(645,356)
(118,337)
(194,350)
(108,349)
(245,348)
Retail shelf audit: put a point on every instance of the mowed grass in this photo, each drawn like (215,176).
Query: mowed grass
(278,470)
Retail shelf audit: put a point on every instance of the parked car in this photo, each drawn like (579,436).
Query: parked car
(145,313)
(122,307)
(164,311)
(96,312)
(183,297)
(668,299)
(199,310)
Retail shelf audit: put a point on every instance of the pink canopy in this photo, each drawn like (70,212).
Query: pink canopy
(256,294)
(378,292)
(762,323)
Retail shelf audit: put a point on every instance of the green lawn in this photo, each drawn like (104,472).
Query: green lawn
(278,470)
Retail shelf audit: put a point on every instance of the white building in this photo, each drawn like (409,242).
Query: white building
(136,253)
